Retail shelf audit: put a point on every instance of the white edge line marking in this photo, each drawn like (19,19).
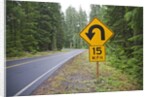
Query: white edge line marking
(26,87)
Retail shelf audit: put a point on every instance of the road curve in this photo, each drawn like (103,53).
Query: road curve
(25,75)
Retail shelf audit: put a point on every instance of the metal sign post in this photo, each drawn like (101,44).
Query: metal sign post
(97,70)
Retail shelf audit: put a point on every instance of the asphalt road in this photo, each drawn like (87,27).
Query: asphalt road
(25,75)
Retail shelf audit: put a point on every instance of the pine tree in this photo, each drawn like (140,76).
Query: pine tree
(75,21)
(32,27)
(125,50)
(14,16)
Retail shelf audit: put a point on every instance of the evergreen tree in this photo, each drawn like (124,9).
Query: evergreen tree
(134,17)
(71,27)
(32,27)
(60,33)
(13,25)
(125,50)
(75,21)
(29,25)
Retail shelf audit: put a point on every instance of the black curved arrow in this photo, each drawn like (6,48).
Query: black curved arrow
(90,34)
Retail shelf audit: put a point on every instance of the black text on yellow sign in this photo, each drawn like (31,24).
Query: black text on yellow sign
(97,53)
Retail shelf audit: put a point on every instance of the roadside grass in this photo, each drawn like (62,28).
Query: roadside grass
(79,76)
(37,54)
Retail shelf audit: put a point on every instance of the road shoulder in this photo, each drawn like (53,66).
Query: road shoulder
(78,76)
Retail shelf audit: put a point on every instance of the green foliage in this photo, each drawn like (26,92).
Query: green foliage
(36,26)
(125,50)
(74,22)
(138,38)
(32,27)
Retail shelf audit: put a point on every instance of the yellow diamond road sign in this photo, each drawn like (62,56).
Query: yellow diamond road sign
(96,33)
(97,53)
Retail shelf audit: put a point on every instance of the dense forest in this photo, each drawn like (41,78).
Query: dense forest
(125,50)
(35,27)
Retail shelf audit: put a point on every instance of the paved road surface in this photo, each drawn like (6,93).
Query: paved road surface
(25,75)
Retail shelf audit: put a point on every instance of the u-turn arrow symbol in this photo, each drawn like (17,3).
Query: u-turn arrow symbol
(90,33)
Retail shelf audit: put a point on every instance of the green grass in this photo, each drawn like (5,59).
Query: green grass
(79,76)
